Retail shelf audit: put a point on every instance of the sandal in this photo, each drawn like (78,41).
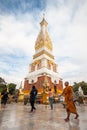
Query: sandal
(67,119)
(76,116)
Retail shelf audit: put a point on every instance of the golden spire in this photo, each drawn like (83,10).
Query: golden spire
(43,22)
(43,38)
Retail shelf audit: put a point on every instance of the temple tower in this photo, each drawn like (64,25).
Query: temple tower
(43,71)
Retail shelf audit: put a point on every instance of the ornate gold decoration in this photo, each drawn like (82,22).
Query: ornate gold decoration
(46,85)
(43,22)
(36,62)
(51,62)
(43,52)
(42,43)
(43,39)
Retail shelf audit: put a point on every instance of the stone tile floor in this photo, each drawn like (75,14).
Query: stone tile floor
(17,117)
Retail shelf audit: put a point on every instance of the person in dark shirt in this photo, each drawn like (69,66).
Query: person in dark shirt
(4,98)
(33,94)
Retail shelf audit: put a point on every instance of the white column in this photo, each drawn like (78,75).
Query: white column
(44,62)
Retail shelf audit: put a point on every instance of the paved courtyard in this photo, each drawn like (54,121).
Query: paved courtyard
(17,117)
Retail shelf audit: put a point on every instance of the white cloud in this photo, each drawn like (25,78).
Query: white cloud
(17,40)
(69,34)
(16,33)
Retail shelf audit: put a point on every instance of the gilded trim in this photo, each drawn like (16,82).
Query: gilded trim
(41,53)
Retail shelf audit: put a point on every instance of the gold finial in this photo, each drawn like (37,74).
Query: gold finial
(43,22)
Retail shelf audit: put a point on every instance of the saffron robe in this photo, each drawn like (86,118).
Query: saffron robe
(68,94)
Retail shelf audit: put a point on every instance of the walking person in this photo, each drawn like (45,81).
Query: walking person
(50,94)
(4,98)
(33,94)
(70,105)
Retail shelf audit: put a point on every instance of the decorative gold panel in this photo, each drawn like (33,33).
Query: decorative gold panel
(43,52)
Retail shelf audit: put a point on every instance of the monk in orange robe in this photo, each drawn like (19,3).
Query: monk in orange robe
(70,106)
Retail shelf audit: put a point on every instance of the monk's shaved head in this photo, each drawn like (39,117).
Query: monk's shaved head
(66,83)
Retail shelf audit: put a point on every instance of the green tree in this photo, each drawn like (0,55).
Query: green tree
(82,84)
(84,87)
(75,87)
(2,81)
(12,88)
(3,85)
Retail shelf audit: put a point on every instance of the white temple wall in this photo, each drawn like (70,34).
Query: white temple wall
(43,71)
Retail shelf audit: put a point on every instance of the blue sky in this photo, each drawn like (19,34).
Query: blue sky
(19,28)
